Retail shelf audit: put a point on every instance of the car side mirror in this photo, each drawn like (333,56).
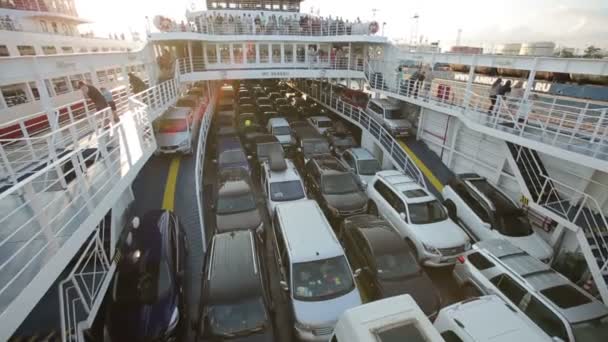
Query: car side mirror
(357,272)
(284,286)
(402,216)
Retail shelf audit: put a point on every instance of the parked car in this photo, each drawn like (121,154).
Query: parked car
(362,163)
(262,146)
(266,113)
(264,101)
(146,299)
(336,189)
(487,318)
(245,100)
(235,299)
(320,123)
(340,141)
(315,275)
(488,213)
(279,101)
(279,127)
(235,206)
(230,155)
(226,95)
(560,308)
(384,264)
(418,217)
(389,115)
(280,182)
(309,143)
(396,318)
(175,131)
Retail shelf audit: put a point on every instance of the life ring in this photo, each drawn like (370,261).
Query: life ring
(373,27)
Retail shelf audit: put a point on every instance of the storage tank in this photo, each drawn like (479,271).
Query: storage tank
(537,49)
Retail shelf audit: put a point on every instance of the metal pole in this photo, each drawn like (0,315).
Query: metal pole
(190,56)
(467,94)
(530,83)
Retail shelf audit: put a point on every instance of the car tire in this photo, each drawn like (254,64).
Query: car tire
(372,209)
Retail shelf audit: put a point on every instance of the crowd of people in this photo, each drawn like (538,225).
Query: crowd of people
(288,24)
(7,23)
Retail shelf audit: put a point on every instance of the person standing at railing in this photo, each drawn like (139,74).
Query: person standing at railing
(503,90)
(494,93)
(136,83)
(109,98)
(93,94)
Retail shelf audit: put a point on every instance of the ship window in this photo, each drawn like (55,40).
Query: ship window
(250,53)
(54,26)
(101,76)
(44,26)
(288,53)
(94,49)
(60,85)
(111,76)
(14,94)
(83,50)
(237,50)
(211,53)
(88,78)
(105,49)
(276,53)
(67,49)
(225,53)
(26,50)
(74,79)
(49,50)
(263,53)
(35,91)
(119,76)
(4,51)
(64,27)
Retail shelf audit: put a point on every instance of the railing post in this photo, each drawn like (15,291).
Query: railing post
(599,125)
(467,94)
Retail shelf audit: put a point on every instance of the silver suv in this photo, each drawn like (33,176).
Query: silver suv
(389,114)
(560,308)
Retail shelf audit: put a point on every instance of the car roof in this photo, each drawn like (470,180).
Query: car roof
(278,122)
(385,103)
(234,187)
(234,272)
(176,113)
(405,186)
(289,173)
(478,316)
(541,277)
(320,118)
(362,322)
(361,153)
(307,232)
(329,164)
(377,231)
(264,138)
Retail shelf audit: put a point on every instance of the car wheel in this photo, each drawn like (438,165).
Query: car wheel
(372,209)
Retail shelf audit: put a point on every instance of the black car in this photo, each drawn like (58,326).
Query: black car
(146,302)
(235,205)
(384,264)
(309,143)
(235,302)
(246,108)
(336,189)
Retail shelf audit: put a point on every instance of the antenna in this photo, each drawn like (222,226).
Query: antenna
(458,36)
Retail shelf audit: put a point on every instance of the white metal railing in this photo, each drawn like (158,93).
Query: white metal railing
(581,129)
(30,142)
(198,64)
(159,98)
(575,208)
(81,293)
(354,114)
(200,158)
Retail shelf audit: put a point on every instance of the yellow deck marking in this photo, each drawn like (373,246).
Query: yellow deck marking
(169,196)
(425,170)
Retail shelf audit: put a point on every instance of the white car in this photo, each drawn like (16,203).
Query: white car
(279,127)
(488,213)
(175,131)
(362,163)
(320,123)
(418,217)
(281,182)
(487,318)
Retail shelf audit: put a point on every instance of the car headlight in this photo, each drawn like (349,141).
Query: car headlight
(431,249)
(174,320)
(302,326)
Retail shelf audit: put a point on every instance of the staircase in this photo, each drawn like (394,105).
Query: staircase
(568,206)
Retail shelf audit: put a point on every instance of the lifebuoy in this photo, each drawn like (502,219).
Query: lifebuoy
(373,27)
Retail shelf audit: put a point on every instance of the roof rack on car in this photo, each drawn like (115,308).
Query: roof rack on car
(277,162)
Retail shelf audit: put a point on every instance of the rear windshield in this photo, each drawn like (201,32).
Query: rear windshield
(234,204)
(315,147)
(234,156)
(393,114)
(368,167)
(281,130)
(171,125)
(246,316)
(324,124)
(286,191)
(339,184)
(426,212)
(265,150)
(322,279)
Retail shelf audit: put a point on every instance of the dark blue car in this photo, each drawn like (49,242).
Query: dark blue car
(231,155)
(146,302)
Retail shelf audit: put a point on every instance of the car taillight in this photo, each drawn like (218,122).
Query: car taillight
(461,259)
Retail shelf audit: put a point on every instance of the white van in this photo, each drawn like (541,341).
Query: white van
(389,115)
(314,271)
(279,127)
(396,318)
(174,131)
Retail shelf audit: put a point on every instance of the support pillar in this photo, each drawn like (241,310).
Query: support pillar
(467,95)
(190,56)
(350,48)
(531,77)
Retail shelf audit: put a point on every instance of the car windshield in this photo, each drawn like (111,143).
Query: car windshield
(426,212)
(322,279)
(514,224)
(233,319)
(368,167)
(234,204)
(141,278)
(281,130)
(343,183)
(323,123)
(393,114)
(233,157)
(171,126)
(286,191)
(397,263)
(315,147)
(594,330)
(266,149)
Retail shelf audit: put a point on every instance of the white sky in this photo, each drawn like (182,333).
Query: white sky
(573,23)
